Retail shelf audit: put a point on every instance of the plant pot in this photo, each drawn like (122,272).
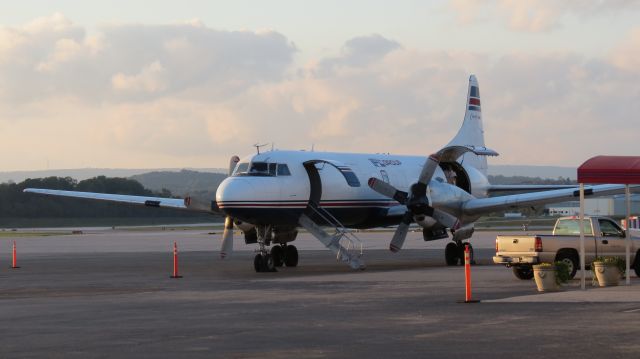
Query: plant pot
(607,274)
(545,277)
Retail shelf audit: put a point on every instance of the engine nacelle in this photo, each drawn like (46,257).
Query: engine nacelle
(463,233)
(249,231)
(425,221)
(243,226)
(284,234)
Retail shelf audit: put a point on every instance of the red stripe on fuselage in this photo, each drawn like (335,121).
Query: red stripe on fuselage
(303,205)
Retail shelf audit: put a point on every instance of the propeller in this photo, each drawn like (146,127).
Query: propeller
(226,249)
(418,207)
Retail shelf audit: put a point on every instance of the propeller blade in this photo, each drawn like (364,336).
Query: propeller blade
(387,190)
(227,238)
(226,249)
(429,169)
(446,219)
(401,233)
(232,164)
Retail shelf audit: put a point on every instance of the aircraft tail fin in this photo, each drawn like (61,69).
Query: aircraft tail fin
(471,133)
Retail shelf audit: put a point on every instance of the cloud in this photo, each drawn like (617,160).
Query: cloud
(152,78)
(186,95)
(535,15)
(627,54)
(357,52)
(52,56)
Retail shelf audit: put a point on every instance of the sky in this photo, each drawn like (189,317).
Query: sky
(167,84)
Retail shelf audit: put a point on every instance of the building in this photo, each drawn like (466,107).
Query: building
(605,206)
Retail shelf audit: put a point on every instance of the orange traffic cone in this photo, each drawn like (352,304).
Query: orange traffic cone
(14,257)
(175,261)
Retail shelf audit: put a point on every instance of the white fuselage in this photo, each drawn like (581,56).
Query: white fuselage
(279,198)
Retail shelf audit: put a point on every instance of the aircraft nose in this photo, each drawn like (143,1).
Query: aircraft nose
(233,191)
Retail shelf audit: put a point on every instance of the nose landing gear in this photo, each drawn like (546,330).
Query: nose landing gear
(279,255)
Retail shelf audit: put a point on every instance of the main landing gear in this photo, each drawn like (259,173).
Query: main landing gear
(280,254)
(454,253)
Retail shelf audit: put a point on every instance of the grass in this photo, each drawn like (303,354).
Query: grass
(18,234)
(53,222)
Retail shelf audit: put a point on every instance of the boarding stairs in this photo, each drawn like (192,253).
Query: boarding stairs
(343,243)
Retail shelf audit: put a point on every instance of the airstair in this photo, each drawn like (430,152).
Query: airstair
(344,244)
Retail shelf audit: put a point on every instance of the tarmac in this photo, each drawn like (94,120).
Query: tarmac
(107,293)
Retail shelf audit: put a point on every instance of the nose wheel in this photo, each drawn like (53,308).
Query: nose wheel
(284,255)
(264,263)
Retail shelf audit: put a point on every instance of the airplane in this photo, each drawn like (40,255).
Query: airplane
(269,195)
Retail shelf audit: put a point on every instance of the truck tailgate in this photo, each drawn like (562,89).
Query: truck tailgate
(516,244)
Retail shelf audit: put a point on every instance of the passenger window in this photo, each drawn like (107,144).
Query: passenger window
(283,170)
(351,178)
(609,229)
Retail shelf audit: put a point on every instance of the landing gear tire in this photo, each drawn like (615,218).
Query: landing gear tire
(257,263)
(471,259)
(524,272)
(454,254)
(291,256)
(571,260)
(451,254)
(263,263)
(277,253)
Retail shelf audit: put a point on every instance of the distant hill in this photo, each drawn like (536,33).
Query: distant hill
(185,182)
(86,173)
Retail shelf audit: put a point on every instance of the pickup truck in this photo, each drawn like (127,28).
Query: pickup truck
(603,237)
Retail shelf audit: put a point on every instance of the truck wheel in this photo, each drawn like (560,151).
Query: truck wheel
(451,254)
(571,260)
(523,272)
(636,267)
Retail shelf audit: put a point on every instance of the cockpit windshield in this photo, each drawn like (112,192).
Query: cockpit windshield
(261,169)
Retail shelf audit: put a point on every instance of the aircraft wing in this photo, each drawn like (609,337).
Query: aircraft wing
(527,188)
(487,205)
(175,203)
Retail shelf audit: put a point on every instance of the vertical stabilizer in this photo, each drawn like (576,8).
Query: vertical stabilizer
(471,132)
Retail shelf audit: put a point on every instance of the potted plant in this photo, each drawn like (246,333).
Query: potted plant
(607,271)
(549,276)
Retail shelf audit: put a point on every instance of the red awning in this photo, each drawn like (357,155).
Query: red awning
(610,169)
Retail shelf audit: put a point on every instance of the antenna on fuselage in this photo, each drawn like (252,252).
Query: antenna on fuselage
(257,146)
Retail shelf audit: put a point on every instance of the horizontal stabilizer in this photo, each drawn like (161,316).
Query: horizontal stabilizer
(453,152)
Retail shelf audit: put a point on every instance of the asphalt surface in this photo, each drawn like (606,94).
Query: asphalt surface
(108,294)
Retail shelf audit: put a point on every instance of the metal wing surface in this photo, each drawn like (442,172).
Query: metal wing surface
(176,203)
(527,188)
(486,205)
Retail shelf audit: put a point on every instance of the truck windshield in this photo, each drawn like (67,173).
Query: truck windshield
(570,227)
